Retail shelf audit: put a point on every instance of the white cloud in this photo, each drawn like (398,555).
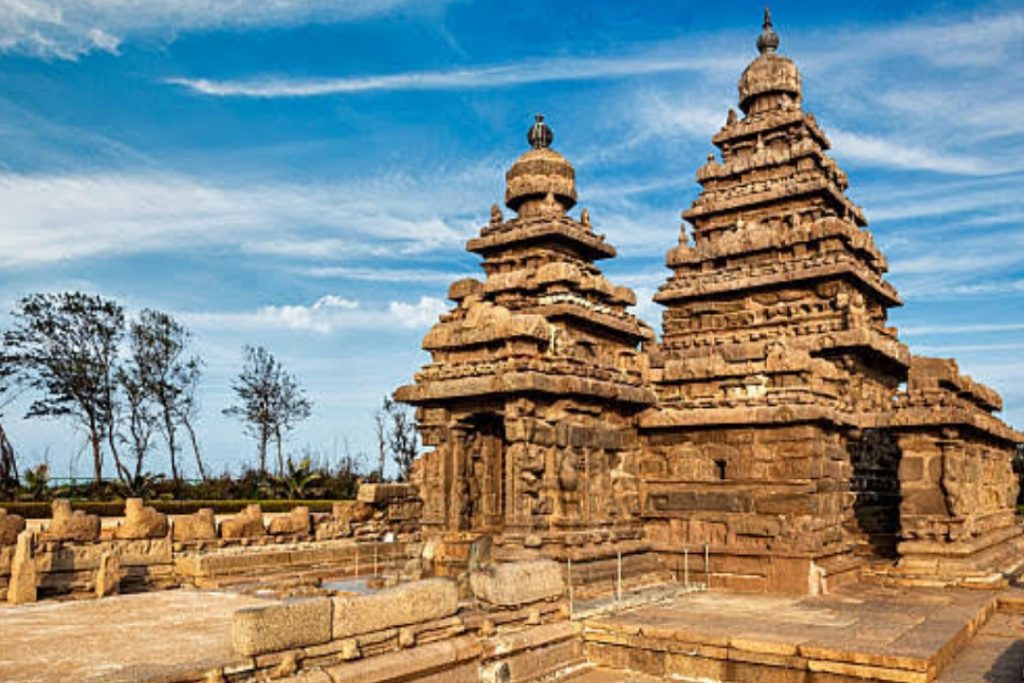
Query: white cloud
(873,150)
(967,328)
(67,29)
(420,314)
(404,275)
(330,313)
(495,76)
(49,218)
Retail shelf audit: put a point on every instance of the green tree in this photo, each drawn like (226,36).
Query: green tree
(168,375)
(66,345)
(8,462)
(270,402)
(401,437)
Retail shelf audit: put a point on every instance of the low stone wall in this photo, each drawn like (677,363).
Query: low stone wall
(154,551)
(514,627)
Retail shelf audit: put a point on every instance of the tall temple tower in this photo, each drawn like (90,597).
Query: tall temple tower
(778,374)
(535,378)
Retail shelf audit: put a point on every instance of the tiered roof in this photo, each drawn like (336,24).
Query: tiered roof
(545,319)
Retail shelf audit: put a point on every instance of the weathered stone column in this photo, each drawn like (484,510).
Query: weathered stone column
(22,588)
(108,576)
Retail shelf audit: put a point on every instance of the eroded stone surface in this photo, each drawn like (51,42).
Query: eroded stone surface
(71,525)
(295,522)
(141,521)
(10,526)
(246,524)
(271,628)
(24,578)
(405,604)
(199,526)
(108,576)
(518,583)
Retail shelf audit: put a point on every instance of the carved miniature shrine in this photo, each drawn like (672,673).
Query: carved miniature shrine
(780,423)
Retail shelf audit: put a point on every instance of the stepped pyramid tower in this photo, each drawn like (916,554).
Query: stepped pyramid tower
(775,345)
(535,377)
(780,431)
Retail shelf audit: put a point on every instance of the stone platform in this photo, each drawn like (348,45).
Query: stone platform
(141,637)
(861,633)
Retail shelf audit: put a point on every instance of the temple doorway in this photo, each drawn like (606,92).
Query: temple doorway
(876,487)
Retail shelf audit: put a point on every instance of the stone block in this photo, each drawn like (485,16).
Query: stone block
(247,524)
(295,522)
(10,527)
(199,526)
(68,525)
(379,494)
(406,604)
(290,624)
(108,576)
(518,583)
(141,521)
(21,588)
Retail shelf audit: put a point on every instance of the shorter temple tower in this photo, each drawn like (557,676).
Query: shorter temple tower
(535,379)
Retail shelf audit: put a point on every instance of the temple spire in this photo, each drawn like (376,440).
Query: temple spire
(768,41)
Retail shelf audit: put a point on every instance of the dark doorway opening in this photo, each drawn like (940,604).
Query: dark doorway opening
(876,487)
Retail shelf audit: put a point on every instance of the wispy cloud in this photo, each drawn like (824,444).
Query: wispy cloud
(51,218)
(326,315)
(969,328)
(495,76)
(879,151)
(401,275)
(68,29)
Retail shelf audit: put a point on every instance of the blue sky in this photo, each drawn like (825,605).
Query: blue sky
(303,174)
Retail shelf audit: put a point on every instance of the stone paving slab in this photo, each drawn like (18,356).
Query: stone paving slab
(124,638)
(861,630)
(996,655)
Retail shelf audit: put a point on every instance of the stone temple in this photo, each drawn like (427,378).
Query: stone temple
(779,427)
(851,505)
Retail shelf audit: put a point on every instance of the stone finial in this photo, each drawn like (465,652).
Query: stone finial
(496,217)
(541,180)
(585,218)
(540,135)
(768,41)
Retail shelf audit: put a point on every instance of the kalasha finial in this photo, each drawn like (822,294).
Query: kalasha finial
(768,41)
(540,135)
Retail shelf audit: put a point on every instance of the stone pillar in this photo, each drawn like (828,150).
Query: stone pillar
(108,577)
(22,588)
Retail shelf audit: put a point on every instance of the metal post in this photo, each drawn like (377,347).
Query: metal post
(568,572)
(707,568)
(355,548)
(686,568)
(375,559)
(618,577)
